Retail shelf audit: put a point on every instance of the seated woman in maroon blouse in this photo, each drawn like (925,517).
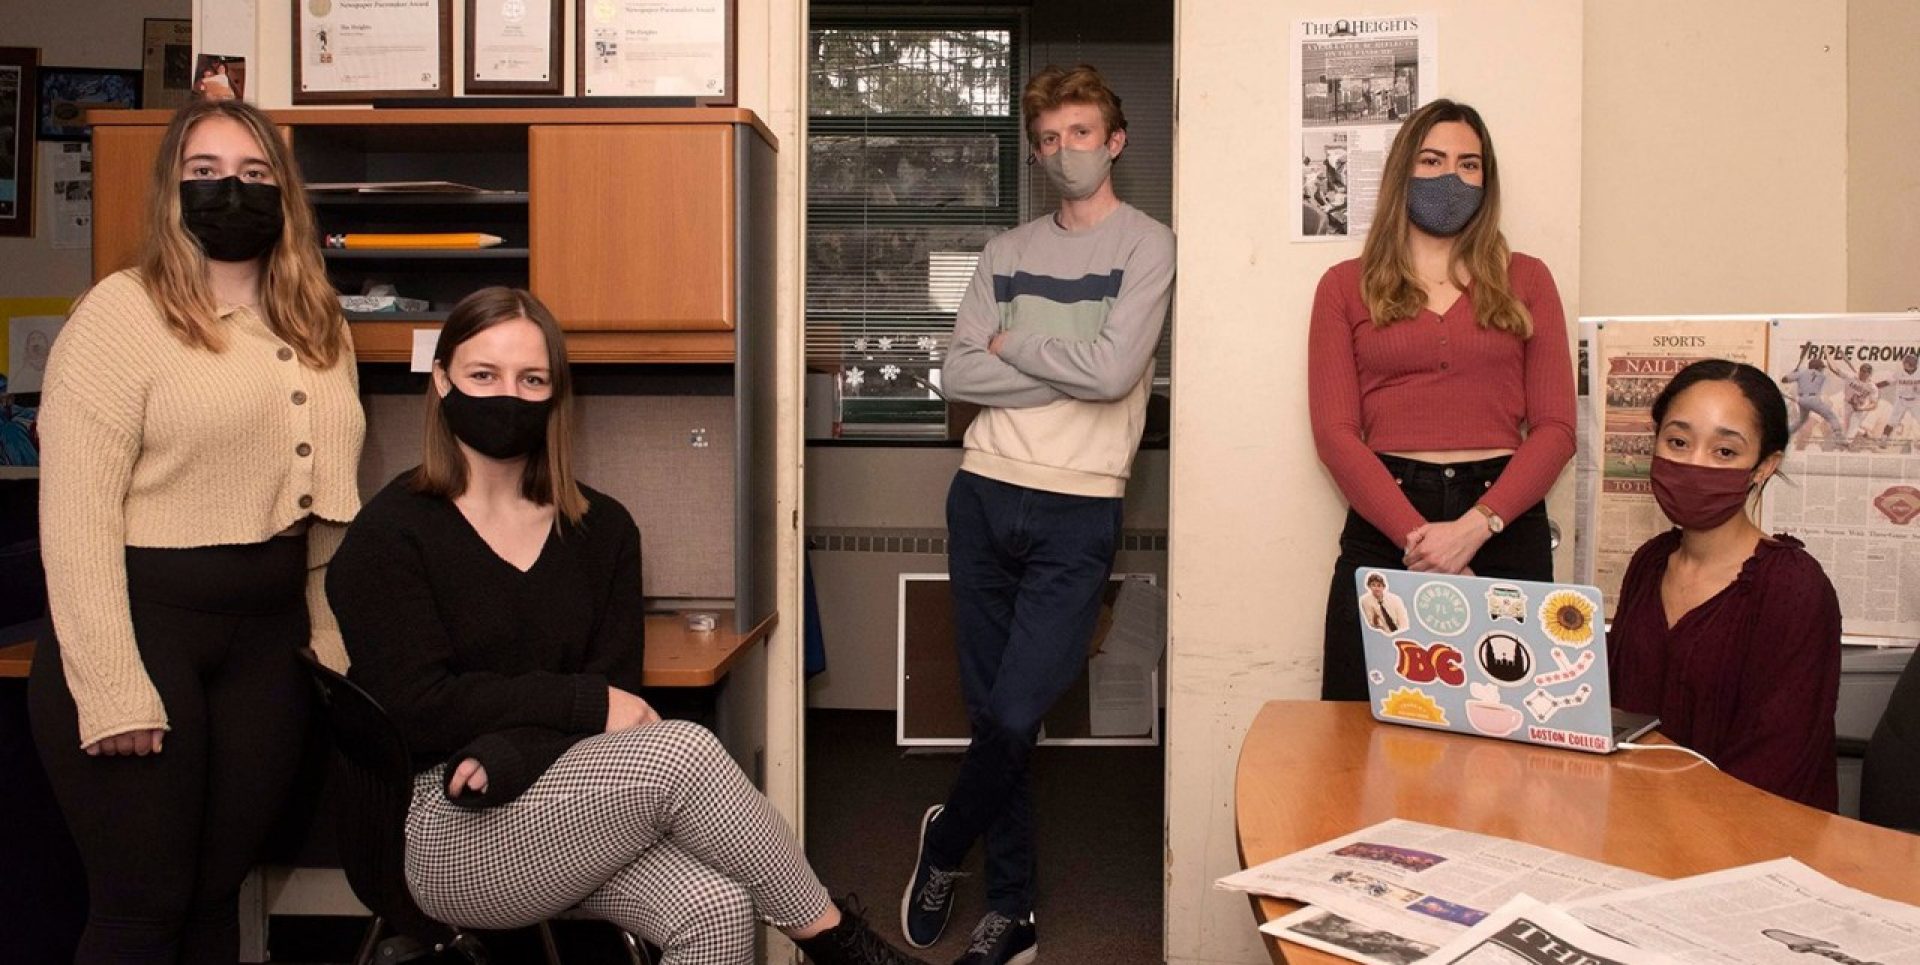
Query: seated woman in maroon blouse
(1732,637)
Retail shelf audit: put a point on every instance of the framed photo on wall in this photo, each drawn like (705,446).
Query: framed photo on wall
(166,63)
(17,68)
(513,46)
(673,49)
(68,93)
(364,52)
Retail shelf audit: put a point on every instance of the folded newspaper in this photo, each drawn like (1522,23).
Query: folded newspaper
(1404,893)
(1424,884)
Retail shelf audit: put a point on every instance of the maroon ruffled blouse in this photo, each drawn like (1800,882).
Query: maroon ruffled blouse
(1749,678)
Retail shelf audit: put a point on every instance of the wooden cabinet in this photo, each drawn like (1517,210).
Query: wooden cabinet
(646,231)
(634,228)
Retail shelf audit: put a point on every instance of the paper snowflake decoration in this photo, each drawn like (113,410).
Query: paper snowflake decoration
(854,377)
(889,372)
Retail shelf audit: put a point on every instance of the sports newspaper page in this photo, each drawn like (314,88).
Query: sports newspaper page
(1852,485)
(1358,79)
(1635,361)
(1426,884)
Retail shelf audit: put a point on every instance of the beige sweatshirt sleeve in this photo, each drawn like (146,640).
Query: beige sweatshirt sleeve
(90,428)
(323,538)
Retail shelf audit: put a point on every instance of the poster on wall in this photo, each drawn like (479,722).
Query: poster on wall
(166,63)
(1356,81)
(1635,361)
(360,51)
(17,67)
(657,48)
(1852,486)
(68,93)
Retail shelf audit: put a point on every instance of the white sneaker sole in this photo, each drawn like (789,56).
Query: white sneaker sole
(1025,958)
(906,899)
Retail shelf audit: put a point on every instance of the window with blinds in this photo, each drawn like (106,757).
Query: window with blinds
(913,164)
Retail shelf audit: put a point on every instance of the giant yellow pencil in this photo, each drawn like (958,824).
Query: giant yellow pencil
(455,239)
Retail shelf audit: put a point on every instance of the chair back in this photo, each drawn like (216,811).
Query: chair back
(371,774)
(1890,771)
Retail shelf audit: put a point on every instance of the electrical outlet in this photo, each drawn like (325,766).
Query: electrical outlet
(697,438)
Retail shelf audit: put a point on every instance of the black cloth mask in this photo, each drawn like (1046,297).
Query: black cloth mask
(500,426)
(1442,206)
(234,220)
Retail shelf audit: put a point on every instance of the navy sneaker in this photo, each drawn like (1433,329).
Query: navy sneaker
(999,940)
(928,901)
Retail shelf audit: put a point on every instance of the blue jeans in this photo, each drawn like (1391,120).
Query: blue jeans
(1028,569)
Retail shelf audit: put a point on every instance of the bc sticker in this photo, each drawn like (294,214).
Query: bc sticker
(1406,703)
(1503,657)
(1442,608)
(1567,617)
(1506,602)
(1438,663)
(1488,715)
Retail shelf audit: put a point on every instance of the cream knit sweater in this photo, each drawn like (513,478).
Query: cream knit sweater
(148,442)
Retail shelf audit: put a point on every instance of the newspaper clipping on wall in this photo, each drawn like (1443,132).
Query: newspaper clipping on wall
(1852,485)
(1586,456)
(1636,359)
(1425,884)
(1358,79)
(1775,913)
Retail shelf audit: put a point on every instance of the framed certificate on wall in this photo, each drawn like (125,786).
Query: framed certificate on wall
(513,46)
(679,49)
(360,51)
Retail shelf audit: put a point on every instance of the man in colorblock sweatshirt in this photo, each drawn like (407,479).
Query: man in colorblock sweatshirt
(1055,339)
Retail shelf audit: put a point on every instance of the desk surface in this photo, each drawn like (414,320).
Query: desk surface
(676,656)
(1310,772)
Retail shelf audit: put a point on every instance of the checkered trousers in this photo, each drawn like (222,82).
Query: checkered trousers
(654,829)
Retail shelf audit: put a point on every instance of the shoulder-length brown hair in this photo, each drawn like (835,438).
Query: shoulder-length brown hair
(548,477)
(297,300)
(1388,284)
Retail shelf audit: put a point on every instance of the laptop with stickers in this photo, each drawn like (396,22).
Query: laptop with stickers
(1511,659)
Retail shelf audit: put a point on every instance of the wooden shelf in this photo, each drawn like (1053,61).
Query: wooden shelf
(391,340)
(361,117)
(408,199)
(676,656)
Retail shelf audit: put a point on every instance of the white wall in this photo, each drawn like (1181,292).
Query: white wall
(70,33)
(1716,156)
(1254,517)
(1883,156)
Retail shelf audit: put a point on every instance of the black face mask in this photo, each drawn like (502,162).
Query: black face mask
(234,220)
(500,426)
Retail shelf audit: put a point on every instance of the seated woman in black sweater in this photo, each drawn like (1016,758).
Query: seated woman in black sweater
(493,606)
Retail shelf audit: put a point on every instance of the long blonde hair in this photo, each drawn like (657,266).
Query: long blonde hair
(297,300)
(1388,284)
(548,477)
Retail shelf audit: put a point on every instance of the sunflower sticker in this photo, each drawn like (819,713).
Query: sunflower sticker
(1568,618)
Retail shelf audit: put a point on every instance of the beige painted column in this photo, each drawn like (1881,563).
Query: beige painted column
(1254,517)
(1883,156)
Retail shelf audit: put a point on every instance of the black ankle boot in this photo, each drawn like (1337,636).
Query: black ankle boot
(852,942)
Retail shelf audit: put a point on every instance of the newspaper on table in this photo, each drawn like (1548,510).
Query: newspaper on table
(1357,80)
(1330,933)
(1636,360)
(1526,932)
(1773,913)
(1424,883)
(1852,485)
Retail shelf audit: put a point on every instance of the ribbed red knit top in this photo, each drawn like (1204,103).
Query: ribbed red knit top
(1438,382)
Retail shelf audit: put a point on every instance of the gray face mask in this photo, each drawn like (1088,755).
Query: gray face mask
(1442,206)
(1077,173)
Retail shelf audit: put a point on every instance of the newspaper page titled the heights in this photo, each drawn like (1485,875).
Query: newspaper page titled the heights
(1851,490)
(1636,359)
(1356,81)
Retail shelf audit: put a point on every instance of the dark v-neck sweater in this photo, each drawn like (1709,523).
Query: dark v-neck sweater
(1749,678)
(472,657)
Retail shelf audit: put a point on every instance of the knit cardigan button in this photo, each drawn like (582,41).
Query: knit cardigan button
(285,354)
(299,397)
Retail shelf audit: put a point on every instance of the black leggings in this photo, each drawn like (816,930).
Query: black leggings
(168,838)
(1523,551)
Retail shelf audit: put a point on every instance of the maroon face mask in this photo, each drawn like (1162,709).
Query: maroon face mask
(1699,497)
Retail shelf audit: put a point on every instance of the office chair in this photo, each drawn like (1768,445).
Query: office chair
(1890,769)
(371,775)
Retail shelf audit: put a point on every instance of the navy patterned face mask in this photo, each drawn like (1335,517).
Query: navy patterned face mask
(1442,206)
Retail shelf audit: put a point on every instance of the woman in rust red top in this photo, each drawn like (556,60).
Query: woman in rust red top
(1440,383)
(1730,637)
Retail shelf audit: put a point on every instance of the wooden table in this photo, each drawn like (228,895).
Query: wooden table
(676,656)
(1310,772)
